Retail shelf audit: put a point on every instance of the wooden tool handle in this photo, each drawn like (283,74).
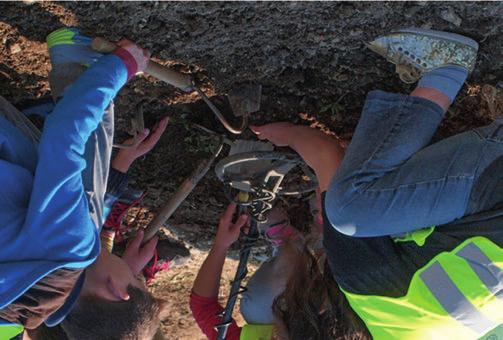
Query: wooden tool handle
(180,195)
(161,72)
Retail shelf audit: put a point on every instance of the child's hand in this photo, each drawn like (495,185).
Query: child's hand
(228,232)
(280,134)
(147,141)
(137,256)
(140,55)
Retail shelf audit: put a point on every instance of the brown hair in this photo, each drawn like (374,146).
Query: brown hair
(94,318)
(313,307)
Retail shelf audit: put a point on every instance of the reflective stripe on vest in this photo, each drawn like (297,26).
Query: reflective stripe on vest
(256,332)
(457,295)
(454,302)
(488,272)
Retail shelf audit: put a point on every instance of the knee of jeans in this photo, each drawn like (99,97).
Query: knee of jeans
(347,214)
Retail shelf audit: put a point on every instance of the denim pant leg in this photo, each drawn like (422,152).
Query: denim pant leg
(98,148)
(487,191)
(390,183)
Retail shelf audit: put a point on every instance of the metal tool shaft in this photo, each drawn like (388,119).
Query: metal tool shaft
(241,273)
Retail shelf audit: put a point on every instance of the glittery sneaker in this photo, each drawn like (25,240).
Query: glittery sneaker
(416,51)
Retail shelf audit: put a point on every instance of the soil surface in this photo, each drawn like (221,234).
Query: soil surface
(309,57)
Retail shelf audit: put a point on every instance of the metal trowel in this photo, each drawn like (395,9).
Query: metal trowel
(244,99)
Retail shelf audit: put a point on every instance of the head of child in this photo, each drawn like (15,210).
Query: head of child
(114,304)
(312,306)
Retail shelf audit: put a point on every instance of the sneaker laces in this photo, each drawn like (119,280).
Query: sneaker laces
(408,73)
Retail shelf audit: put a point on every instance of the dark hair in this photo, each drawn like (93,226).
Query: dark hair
(94,318)
(312,306)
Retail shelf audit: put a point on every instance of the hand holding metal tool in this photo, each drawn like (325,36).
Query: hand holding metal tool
(244,99)
(161,72)
(258,190)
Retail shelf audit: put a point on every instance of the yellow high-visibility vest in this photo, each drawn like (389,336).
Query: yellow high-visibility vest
(457,295)
(9,330)
(256,332)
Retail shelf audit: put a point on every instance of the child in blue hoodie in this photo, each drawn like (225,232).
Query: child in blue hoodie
(52,205)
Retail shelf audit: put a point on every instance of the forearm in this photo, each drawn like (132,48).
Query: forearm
(320,151)
(207,282)
(58,201)
(122,162)
(81,109)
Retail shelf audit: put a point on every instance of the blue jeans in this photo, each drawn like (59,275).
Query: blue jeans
(391,181)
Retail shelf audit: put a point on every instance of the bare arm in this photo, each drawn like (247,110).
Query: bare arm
(204,298)
(321,152)
(207,282)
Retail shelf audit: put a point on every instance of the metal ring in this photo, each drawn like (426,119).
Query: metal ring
(220,167)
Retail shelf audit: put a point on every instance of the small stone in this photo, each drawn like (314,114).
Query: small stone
(427,25)
(15,48)
(450,16)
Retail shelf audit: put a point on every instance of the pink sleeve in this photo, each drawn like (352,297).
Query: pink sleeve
(206,311)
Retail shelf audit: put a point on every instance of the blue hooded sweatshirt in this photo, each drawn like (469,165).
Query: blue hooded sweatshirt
(44,214)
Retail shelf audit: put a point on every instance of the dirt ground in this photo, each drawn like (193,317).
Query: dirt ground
(309,57)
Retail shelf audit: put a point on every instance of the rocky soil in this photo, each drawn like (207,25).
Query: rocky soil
(309,57)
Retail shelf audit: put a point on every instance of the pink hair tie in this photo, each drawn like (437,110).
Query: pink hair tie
(278,233)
